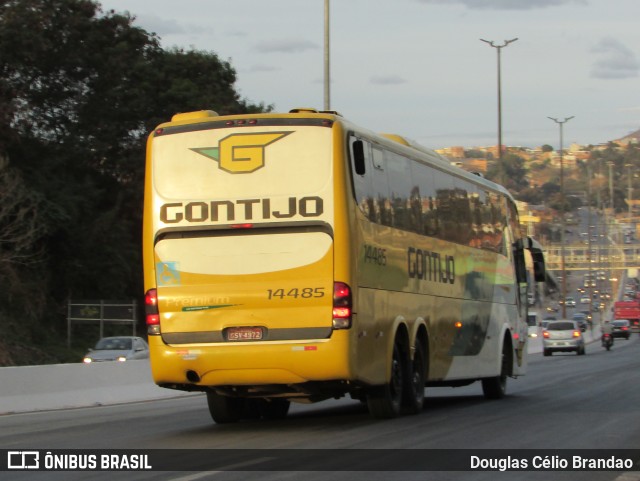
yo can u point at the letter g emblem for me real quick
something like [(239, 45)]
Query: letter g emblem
[(242, 153)]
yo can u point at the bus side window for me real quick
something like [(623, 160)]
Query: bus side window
[(382, 211), (358, 157), (362, 181)]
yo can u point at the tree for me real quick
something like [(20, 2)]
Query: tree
[(510, 172), (80, 89)]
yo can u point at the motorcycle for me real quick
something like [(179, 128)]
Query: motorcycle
[(607, 341)]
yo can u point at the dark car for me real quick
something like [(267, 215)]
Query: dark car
[(118, 348), (581, 319), (621, 328), (562, 336)]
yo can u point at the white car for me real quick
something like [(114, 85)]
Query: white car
[(562, 336), (585, 300), (120, 348)]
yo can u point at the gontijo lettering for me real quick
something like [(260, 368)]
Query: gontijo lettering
[(239, 210), (430, 266)]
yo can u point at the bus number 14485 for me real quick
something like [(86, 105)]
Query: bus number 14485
[(295, 293)]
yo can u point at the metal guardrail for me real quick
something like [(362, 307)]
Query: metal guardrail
[(102, 312)]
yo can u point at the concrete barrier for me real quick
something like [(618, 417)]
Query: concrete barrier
[(62, 386)]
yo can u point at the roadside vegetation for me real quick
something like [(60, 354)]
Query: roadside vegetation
[(80, 89)]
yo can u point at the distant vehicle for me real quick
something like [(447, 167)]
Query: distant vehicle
[(562, 336), (585, 300), (533, 321), (570, 302), (545, 322), (581, 319), (621, 328), (588, 315), (627, 310), (120, 348)]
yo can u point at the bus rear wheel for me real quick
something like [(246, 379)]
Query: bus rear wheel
[(496, 387), (414, 389), (385, 402), (225, 409)]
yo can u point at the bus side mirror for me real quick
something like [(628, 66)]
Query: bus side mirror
[(538, 266), (358, 157), (537, 256), (539, 269)]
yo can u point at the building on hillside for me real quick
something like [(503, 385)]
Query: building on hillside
[(579, 152), (452, 152), (472, 165), (632, 139), (568, 160)]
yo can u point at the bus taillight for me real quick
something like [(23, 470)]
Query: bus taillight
[(342, 306), (151, 312)]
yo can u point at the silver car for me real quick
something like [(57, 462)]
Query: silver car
[(118, 348), (562, 336)]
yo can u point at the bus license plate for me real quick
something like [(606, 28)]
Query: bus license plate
[(244, 334)]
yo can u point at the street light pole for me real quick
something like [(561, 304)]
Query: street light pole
[(589, 270), (613, 210), (630, 190), (562, 218), (499, 49), (327, 75)]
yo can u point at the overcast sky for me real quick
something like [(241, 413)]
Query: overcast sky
[(418, 68)]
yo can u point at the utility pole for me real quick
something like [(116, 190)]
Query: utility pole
[(562, 219), (498, 49), (590, 270), (327, 73), (630, 189)]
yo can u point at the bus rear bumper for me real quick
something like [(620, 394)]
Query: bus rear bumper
[(203, 366)]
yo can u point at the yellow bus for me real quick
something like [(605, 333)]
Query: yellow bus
[(297, 257)]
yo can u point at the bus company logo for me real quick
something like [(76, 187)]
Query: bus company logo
[(241, 153)]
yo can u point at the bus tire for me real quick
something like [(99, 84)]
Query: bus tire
[(414, 389), (385, 402), (225, 409), (496, 387)]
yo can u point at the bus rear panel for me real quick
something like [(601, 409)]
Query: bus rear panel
[(242, 262)]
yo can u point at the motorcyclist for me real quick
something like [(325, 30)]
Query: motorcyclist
[(607, 328)]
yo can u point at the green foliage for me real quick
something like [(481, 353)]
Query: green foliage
[(510, 172), (80, 89), (477, 154), (619, 164)]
